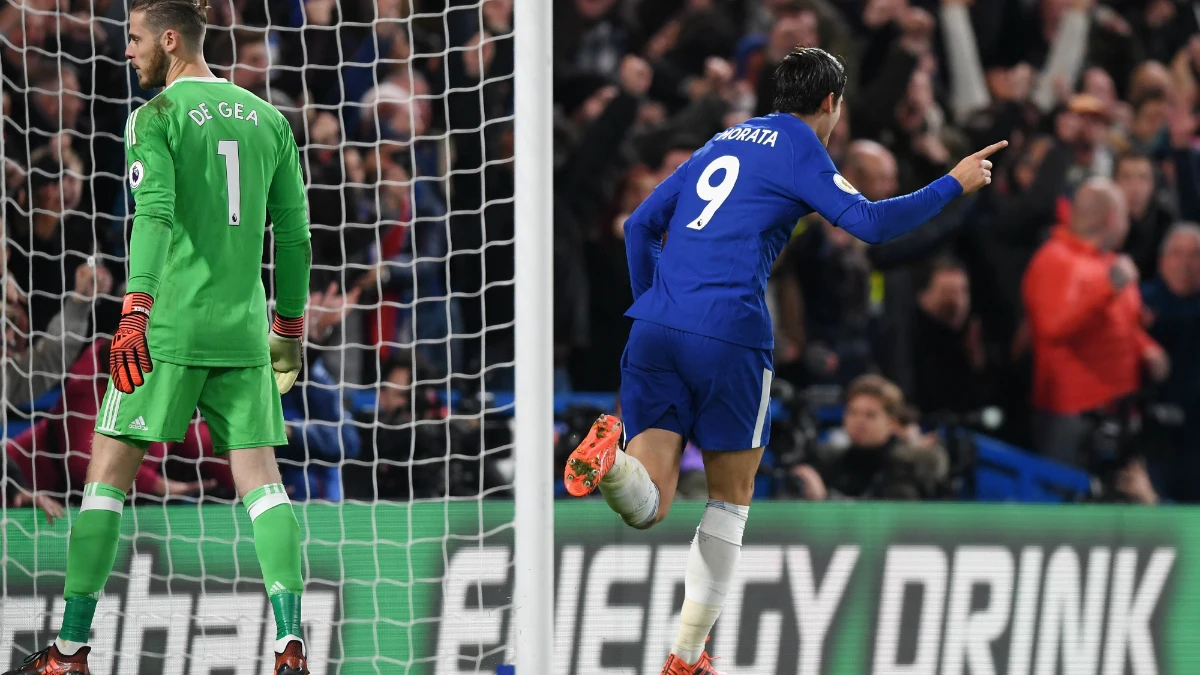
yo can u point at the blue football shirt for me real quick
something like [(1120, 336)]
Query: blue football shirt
[(726, 214)]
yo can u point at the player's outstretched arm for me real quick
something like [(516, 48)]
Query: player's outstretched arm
[(645, 228), (288, 207), (884, 220), (152, 180)]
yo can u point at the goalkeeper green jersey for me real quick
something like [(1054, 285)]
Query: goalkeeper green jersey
[(207, 161)]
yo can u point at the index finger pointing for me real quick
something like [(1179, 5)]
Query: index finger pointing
[(986, 152)]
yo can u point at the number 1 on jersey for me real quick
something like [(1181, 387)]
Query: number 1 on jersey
[(715, 195), (233, 179)]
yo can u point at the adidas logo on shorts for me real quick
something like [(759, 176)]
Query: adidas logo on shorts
[(139, 424)]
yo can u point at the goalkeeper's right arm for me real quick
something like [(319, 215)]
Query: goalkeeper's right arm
[(293, 256), (152, 181)]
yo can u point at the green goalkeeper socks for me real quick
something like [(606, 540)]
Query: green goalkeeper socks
[(93, 551), (277, 542), (286, 607), (90, 556)]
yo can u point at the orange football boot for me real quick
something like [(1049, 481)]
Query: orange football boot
[(676, 666), (50, 661), (594, 457), (292, 661)]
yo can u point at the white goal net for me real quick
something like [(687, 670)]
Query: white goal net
[(399, 457)]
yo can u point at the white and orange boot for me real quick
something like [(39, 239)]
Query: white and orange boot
[(594, 457), (676, 666)]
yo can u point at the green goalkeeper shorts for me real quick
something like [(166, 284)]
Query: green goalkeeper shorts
[(241, 406)]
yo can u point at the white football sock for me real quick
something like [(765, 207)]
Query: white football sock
[(710, 566), (282, 643), (67, 647), (629, 491)]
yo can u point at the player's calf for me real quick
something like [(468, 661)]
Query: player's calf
[(716, 549), (277, 543), (639, 492), (731, 474), (632, 493), (91, 552), (658, 453), (711, 563)]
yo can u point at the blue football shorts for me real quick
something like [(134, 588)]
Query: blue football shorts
[(714, 393)]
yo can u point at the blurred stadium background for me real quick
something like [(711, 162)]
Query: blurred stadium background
[(1039, 412)]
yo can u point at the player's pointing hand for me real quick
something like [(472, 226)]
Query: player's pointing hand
[(975, 171)]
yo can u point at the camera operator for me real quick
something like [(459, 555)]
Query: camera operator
[(1127, 439), (885, 458)]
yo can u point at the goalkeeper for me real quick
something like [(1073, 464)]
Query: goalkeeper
[(207, 161)]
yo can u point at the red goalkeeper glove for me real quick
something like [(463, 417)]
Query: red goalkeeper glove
[(129, 355)]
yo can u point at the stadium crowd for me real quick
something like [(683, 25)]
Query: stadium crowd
[(1066, 296)]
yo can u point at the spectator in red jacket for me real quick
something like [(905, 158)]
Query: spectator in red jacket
[(53, 454), (1084, 308)]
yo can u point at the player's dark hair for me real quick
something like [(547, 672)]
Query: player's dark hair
[(189, 17), (805, 77)]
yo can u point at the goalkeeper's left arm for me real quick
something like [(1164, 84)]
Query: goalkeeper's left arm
[(293, 256)]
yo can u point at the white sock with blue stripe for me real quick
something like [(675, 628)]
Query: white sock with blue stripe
[(710, 566)]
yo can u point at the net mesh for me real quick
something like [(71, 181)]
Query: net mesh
[(399, 428)]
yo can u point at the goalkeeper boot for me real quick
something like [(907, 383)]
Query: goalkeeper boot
[(594, 457), (50, 661), (291, 661)]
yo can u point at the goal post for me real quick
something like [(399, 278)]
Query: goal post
[(533, 549)]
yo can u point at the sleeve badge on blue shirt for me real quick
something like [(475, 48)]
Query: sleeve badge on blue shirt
[(843, 184), (137, 172)]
